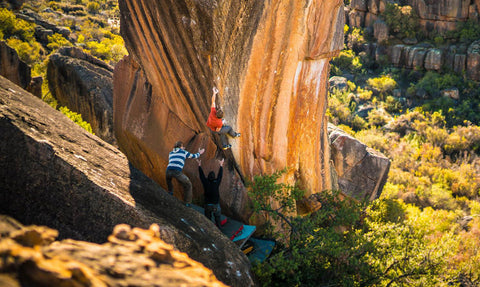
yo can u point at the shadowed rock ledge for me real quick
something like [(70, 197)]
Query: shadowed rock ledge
[(54, 173)]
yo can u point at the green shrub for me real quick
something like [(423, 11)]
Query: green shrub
[(57, 41), (382, 85), (402, 21), (348, 61), (11, 27), (93, 7), (29, 52), (76, 118), (465, 32)]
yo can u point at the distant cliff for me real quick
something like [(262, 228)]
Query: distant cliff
[(270, 61), (435, 18)]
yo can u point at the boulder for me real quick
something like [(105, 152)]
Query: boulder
[(362, 172), (338, 83), (459, 63), (452, 93), (12, 68), (270, 61), (380, 31), (396, 53), (360, 5), (54, 173), (84, 84), (473, 61), (414, 57), (434, 59), (131, 257)]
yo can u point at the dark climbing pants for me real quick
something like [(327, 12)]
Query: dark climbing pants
[(223, 134), (216, 210), (183, 180)]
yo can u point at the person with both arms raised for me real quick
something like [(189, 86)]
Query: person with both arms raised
[(176, 162), (211, 185)]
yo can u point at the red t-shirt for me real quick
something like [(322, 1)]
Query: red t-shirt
[(213, 122)]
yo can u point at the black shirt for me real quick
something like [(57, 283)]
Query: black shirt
[(212, 195)]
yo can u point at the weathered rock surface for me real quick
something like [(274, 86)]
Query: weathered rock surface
[(54, 173), (362, 172), (435, 17), (132, 257), (270, 61), (460, 59), (85, 85), (473, 61), (12, 68)]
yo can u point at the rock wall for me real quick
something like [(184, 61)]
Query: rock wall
[(459, 59), (85, 85), (436, 16), (54, 173), (131, 257), (270, 61)]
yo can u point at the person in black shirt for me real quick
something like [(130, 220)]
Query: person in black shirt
[(212, 195)]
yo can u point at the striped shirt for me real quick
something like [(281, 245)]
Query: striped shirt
[(176, 158)]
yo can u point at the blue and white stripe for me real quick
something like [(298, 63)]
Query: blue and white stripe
[(176, 158)]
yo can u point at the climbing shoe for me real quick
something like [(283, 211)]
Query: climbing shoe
[(227, 146), (237, 135)]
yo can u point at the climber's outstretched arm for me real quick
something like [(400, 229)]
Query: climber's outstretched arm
[(214, 95)]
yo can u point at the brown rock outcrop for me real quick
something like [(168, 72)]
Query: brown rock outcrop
[(12, 68), (435, 16), (85, 85), (473, 61), (132, 257), (362, 172), (54, 173), (270, 61)]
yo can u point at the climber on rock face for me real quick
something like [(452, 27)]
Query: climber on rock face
[(217, 124), (176, 161)]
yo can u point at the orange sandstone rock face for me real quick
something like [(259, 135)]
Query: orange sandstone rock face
[(270, 61)]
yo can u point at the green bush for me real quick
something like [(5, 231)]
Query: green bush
[(76, 118), (29, 52), (93, 7), (402, 21), (11, 27), (57, 41), (465, 32), (347, 61), (382, 85)]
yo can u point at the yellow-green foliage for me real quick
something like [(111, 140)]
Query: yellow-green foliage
[(19, 35), (10, 26), (29, 52), (93, 7), (102, 43), (347, 61), (57, 41), (76, 118), (401, 20), (382, 85)]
